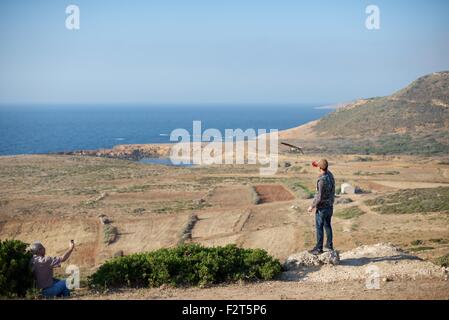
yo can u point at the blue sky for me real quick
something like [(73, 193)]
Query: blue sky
[(222, 51)]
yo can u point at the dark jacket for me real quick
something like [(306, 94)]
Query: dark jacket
[(325, 191)]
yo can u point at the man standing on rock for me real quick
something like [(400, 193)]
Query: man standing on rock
[(324, 204)]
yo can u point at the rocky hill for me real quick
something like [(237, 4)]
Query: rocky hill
[(412, 120)]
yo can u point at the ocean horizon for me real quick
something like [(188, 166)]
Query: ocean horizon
[(41, 129)]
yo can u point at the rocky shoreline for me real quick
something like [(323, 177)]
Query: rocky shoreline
[(133, 152)]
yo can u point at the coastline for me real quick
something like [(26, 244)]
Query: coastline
[(133, 152)]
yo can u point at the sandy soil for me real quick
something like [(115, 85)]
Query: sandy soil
[(288, 290)]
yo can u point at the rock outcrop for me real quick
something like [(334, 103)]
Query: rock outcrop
[(133, 152), (388, 262), (306, 259)]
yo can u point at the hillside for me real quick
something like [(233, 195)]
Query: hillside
[(413, 120)]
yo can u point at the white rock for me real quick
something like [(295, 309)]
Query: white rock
[(306, 259), (346, 188)]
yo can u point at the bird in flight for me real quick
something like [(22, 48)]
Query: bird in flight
[(292, 146)]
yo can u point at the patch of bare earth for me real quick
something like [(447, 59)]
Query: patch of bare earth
[(273, 193)]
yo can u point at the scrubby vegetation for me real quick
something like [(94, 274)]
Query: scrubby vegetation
[(349, 213), (299, 188), (421, 248), (434, 143), (178, 206), (110, 234), (15, 273), (443, 261), (186, 233), (414, 120), (363, 159), (417, 108), (367, 173), (186, 265), (439, 241), (413, 201)]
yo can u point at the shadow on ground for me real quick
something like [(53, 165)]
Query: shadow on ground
[(364, 261)]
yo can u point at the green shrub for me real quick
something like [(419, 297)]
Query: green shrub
[(16, 277), (417, 242), (190, 264), (443, 261)]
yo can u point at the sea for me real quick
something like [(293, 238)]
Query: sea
[(41, 129)]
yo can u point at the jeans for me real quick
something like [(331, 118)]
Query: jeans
[(323, 219), (58, 289)]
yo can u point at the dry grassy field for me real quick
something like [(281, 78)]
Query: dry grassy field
[(52, 198)]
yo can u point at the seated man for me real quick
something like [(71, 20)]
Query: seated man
[(42, 267)]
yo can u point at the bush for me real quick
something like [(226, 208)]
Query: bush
[(443, 261), (16, 277), (189, 264)]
